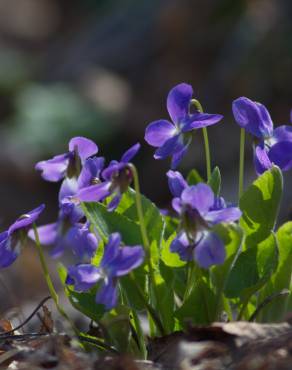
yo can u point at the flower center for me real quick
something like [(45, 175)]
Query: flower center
[(24, 216), (95, 181), (192, 222), (122, 179)]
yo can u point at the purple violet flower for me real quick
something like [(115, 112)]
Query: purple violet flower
[(275, 145), (69, 232), (89, 175), (55, 169), (69, 208), (117, 261), (78, 238), (10, 240), (117, 178), (173, 138), (199, 210)]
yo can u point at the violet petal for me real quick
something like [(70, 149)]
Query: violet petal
[(158, 132), (178, 101), (253, 117), (210, 251), (199, 120), (200, 197), (130, 153), (176, 183), (85, 147), (54, 169)]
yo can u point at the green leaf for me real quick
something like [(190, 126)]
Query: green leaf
[(281, 278), (259, 206), (165, 303), (215, 181), (194, 177), (85, 303), (169, 258), (98, 254), (171, 226), (117, 325), (252, 269), (199, 307), (232, 237), (176, 278), (107, 222), (152, 217), (130, 289)]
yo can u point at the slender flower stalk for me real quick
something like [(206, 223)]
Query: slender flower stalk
[(190, 279), (140, 210), (207, 152), (241, 162), (145, 238), (199, 108), (49, 282), (242, 309)]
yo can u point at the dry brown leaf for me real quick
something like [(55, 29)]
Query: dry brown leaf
[(47, 321), (5, 325)]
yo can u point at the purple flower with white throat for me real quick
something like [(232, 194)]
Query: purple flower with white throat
[(69, 208), (274, 145), (199, 210), (89, 175), (10, 240), (173, 138), (117, 178), (69, 232), (55, 169), (117, 261)]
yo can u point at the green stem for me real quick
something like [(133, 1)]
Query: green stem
[(97, 342), (149, 308), (241, 162), (196, 277), (207, 152), (140, 210), (140, 334), (135, 324), (190, 279), (49, 282), (200, 274), (243, 308), (145, 238), (199, 108)]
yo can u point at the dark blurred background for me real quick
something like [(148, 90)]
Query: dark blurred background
[(103, 68)]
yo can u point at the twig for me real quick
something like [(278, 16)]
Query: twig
[(3, 335), (22, 336)]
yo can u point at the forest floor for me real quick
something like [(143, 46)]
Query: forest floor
[(232, 346)]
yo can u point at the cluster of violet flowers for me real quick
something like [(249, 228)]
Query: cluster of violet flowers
[(85, 178)]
